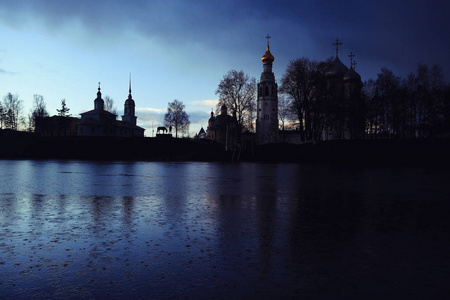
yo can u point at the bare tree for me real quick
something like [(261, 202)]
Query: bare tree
[(284, 110), (64, 109), (176, 117), (12, 108), (109, 105), (305, 86), (38, 112), (238, 92)]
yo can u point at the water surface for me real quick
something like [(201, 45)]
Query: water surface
[(152, 230)]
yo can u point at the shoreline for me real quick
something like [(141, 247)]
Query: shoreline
[(392, 151)]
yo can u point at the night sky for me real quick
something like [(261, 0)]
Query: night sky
[(182, 49)]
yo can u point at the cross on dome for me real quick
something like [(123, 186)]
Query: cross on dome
[(268, 37), (351, 55), (337, 43)]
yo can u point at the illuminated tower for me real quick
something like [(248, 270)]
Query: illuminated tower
[(129, 109), (267, 102)]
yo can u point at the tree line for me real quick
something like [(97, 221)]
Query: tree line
[(12, 116), (417, 106), (413, 107)]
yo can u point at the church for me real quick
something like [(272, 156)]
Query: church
[(346, 117), (99, 122), (345, 113), (96, 122)]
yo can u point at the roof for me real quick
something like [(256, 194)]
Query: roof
[(97, 112), (124, 124), (351, 75), (337, 68)]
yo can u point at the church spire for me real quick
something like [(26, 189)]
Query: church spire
[(129, 90), (98, 102)]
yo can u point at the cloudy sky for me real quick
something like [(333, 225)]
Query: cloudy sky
[(182, 49)]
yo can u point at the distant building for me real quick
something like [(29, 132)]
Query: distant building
[(267, 102), (99, 122), (201, 135), (223, 128), (56, 126), (346, 115), (96, 122)]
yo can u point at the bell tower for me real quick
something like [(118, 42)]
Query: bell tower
[(129, 108), (267, 102)]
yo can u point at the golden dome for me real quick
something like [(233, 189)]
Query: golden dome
[(267, 58)]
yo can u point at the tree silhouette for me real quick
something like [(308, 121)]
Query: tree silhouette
[(12, 108), (2, 116), (176, 117), (305, 86), (415, 107), (109, 105), (38, 112), (238, 92), (284, 110), (64, 109)]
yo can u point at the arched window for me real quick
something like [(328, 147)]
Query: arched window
[(266, 92)]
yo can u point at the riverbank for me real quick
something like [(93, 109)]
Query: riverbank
[(383, 152), (405, 152)]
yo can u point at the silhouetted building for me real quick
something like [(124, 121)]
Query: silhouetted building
[(99, 122), (223, 128), (267, 102), (345, 113), (56, 126), (201, 134)]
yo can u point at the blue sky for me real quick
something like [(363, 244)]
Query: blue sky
[(182, 49)]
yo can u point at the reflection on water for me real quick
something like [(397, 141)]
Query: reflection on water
[(202, 230)]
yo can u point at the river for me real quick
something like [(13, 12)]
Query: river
[(158, 230)]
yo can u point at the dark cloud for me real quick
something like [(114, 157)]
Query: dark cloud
[(393, 34)]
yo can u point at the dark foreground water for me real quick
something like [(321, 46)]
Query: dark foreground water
[(84, 230)]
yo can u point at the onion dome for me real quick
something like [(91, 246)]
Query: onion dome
[(267, 58), (337, 68), (351, 75)]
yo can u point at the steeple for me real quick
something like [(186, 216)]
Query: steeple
[(129, 90), (267, 102), (129, 108), (98, 102)]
